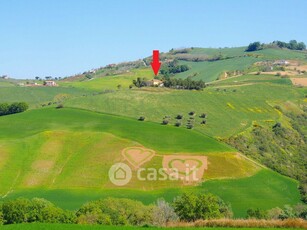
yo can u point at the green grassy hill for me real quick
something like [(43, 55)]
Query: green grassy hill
[(64, 155), (48, 154)]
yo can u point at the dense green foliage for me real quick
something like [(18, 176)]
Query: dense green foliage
[(170, 68), (292, 45), (17, 107), (184, 84), (254, 47), (279, 147), (113, 211), (34, 210), (287, 211), (191, 207)]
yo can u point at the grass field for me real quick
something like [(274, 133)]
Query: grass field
[(36, 96), (99, 83), (84, 227), (47, 154), (64, 155), (210, 71), (228, 112)]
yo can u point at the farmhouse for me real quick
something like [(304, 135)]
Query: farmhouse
[(281, 62), (154, 82), (50, 83)]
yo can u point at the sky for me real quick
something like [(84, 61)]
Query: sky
[(64, 37)]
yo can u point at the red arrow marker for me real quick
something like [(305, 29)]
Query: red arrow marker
[(156, 64)]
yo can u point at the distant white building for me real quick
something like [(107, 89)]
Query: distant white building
[(50, 83), (281, 62)]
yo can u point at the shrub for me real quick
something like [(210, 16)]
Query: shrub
[(256, 213), (163, 213), (192, 113), (191, 207), (16, 107), (60, 106), (35, 210), (165, 122), (141, 118), (253, 47), (178, 124), (203, 122), (203, 115), (113, 211), (1, 215), (179, 116)]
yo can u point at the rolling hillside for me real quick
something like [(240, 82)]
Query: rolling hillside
[(65, 154)]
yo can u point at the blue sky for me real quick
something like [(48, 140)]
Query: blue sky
[(60, 38)]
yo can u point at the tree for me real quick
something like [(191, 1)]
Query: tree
[(179, 116), (114, 211), (139, 82), (301, 46), (292, 45), (253, 47), (141, 118), (4, 109), (16, 107), (163, 213), (256, 213), (191, 207)]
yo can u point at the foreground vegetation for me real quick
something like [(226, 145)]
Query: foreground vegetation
[(94, 227), (189, 209)]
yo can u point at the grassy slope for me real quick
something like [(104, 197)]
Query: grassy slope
[(111, 82), (36, 96), (228, 112), (210, 71), (87, 227), (26, 140)]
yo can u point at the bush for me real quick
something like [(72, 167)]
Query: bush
[(190, 126), (141, 118), (203, 115), (254, 47), (256, 214), (1, 215), (163, 213), (178, 124), (35, 210), (191, 207), (165, 122), (192, 113), (179, 116), (60, 106), (16, 107), (114, 211), (203, 122)]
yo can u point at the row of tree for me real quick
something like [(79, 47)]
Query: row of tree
[(292, 45), (114, 211), (16, 107), (188, 207), (184, 83)]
